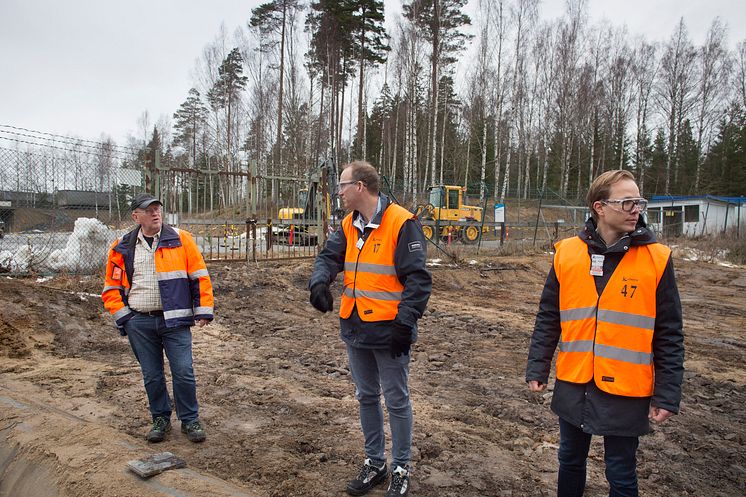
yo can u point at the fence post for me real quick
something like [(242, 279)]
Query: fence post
[(538, 213), (269, 234), (251, 225)]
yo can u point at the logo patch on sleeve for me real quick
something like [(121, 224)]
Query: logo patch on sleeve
[(415, 246), (116, 273), (610, 379)]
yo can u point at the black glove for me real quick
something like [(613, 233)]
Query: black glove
[(321, 297), (401, 339)]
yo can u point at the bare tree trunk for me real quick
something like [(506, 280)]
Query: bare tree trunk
[(498, 152), (394, 153), (280, 106), (434, 84), (483, 175), (527, 174), (407, 166), (545, 168), (498, 95), (468, 159), (443, 139), (506, 178)]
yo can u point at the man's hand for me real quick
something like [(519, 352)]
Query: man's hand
[(658, 414), (202, 322), (321, 297), (401, 339), (536, 386)]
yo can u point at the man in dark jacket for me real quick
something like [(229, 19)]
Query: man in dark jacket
[(611, 303), (381, 250)]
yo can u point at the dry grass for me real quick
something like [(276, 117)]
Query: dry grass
[(712, 249)]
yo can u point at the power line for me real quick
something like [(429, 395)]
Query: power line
[(97, 153), (67, 138), (80, 147)]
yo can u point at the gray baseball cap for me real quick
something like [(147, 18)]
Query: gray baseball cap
[(143, 200)]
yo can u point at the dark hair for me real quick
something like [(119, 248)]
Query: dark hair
[(365, 172), (601, 186)]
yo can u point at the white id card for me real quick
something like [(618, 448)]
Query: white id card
[(597, 265), (359, 243)]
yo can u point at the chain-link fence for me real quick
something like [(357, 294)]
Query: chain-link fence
[(473, 216), (64, 202), (62, 205)]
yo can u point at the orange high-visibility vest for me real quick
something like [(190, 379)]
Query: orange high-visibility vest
[(608, 338), (370, 280)]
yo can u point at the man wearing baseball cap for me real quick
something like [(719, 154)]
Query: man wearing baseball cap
[(156, 288)]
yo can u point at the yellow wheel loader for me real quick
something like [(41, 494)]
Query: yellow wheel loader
[(447, 213)]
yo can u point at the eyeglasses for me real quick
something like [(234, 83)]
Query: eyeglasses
[(342, 184), (149, 211), (628, 204)]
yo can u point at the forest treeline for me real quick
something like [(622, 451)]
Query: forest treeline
[(501, 101)]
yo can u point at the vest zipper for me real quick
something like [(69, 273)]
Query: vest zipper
[(357, 260)]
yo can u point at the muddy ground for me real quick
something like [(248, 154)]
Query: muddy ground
[(277, 399)]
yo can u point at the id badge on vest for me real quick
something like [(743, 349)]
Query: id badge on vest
[(597, 265), (360, 243)]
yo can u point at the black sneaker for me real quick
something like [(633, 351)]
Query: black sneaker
[(161, 426), (194, 431), (369, 477), (399, 486)]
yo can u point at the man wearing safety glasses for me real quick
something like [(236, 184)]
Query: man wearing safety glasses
[(611, 306)]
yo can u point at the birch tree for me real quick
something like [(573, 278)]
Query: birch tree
[(675, 93), (645, 70), (713, 71)]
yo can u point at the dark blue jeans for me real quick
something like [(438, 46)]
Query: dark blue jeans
[(619, 456), (149, 338)]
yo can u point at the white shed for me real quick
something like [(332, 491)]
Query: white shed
[(696, 215)]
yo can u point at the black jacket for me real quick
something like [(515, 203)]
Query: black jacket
[(410, 269), (584, 405)]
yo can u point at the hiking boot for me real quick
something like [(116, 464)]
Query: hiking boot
[(399, 485), (161, 426), (194, 431), (369, 477)]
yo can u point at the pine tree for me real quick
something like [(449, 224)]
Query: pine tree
[(369, 48), (723, 170), (271, 19), (688, 155), (331, 57), (440, 21), (225, 93), (189, 121), (656, 178)]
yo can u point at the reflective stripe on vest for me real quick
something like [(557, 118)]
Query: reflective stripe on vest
[(608, 338), (370, 280)]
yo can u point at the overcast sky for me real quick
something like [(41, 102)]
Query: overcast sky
[(83, 67)]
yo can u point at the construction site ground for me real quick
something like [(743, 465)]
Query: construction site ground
[(278, 403)]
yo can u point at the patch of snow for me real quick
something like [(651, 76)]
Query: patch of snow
[(84, 251), (86, 248), (44, 279)]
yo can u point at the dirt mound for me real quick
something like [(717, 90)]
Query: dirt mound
[(278, 403), (12, 342)]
